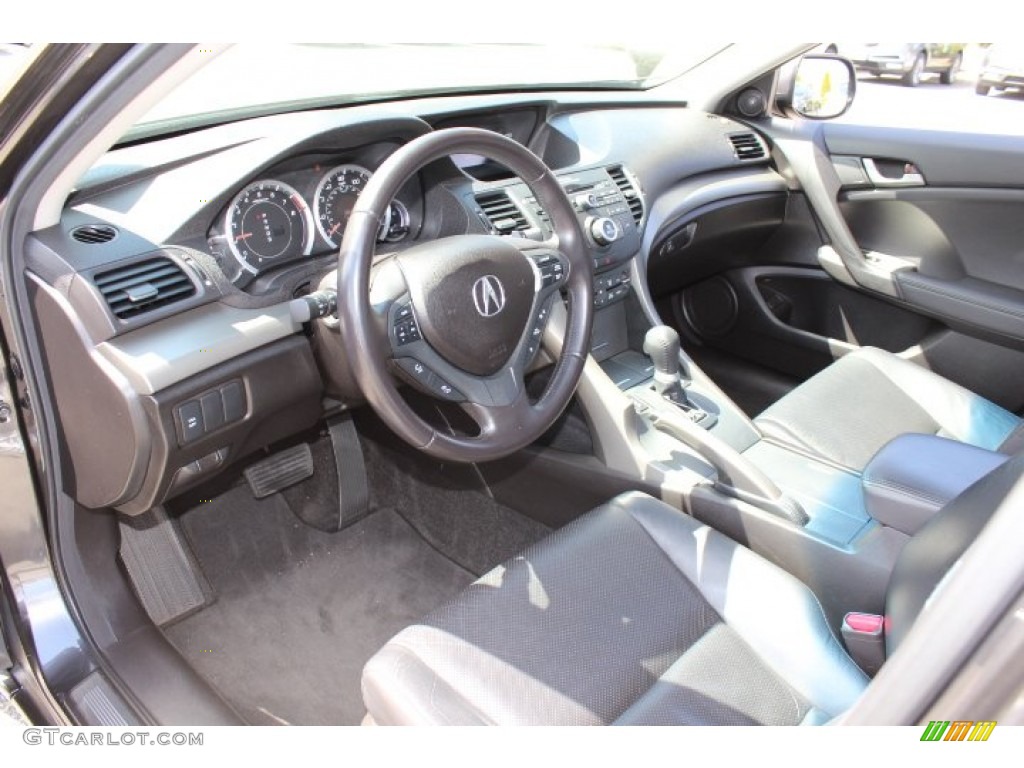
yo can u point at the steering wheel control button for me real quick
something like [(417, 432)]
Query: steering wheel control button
[(190, 422), (551, 268), (407, 332), (404, 325), (536, 336), (446, 391), (418, 373)]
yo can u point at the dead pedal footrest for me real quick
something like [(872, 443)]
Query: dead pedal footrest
[(161, 566), (277, 472)]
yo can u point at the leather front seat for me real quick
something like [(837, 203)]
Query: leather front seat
[(850, 410), (634, 614), (638, 614)]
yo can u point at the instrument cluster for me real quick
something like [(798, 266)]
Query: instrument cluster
[(300, 210)]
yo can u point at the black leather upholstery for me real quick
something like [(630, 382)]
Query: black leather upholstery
[(914, 476), (634, 614), (928, 556), (849, 411)]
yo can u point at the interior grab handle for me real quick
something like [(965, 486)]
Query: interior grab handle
[(911, 177)]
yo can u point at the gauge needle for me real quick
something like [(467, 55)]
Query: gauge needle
[(243, 236), (334, 229)]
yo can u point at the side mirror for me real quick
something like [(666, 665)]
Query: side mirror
[(821, 87)]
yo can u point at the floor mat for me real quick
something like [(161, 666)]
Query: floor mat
[(468, 526), (299, 611)]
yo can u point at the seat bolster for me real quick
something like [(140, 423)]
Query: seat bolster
[(396, 669), (848, 411), (961, 414), (753, 596)]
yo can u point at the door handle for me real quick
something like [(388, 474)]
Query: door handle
[(911, 175)]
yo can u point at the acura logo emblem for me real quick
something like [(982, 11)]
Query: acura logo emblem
[(488, 296)]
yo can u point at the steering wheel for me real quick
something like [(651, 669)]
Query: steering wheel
[(463, 316)]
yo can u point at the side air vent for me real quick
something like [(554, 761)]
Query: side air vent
[(636, 204), (747, 146), (503, 214), (94, 233), (133, 289)]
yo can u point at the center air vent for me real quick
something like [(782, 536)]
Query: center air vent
[(94, 233), (133, 289), (747, 146), (636, 204), (503, 214)]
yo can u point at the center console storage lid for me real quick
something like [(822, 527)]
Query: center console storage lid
[(913, 476)]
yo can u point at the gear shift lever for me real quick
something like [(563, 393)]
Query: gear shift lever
[(661, 344)]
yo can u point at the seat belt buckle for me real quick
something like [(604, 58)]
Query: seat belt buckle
[(864, 637)]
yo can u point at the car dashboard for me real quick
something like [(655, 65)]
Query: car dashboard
[(163, 295)]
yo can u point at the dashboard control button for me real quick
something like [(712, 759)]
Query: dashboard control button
[(190, 422), (235, 406), (212, 406), (604, 230), (587, 201)]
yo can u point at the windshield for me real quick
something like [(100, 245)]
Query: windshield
[(251, 79)]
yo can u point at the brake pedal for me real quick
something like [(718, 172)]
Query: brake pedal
[(283, 469)]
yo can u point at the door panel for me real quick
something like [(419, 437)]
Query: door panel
[(943, 252), (960, 239), (794, 321), (946, 159)]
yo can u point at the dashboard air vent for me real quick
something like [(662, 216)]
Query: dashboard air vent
[(503, 214), (133, 289), (747, 146), (94, 233), (636, 205)]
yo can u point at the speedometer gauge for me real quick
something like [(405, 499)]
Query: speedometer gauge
[(267, 222), (336, 197)]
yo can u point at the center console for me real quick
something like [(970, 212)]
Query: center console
[(654, 416)]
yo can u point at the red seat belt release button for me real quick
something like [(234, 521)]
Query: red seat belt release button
[(866, 623), (864, 636)]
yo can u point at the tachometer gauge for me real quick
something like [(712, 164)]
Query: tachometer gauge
[(268, 221), (336, 197)]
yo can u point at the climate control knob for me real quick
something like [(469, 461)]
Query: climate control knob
[(604, 230)]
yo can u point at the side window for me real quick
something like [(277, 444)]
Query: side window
[(12, 56), (972, 87)]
